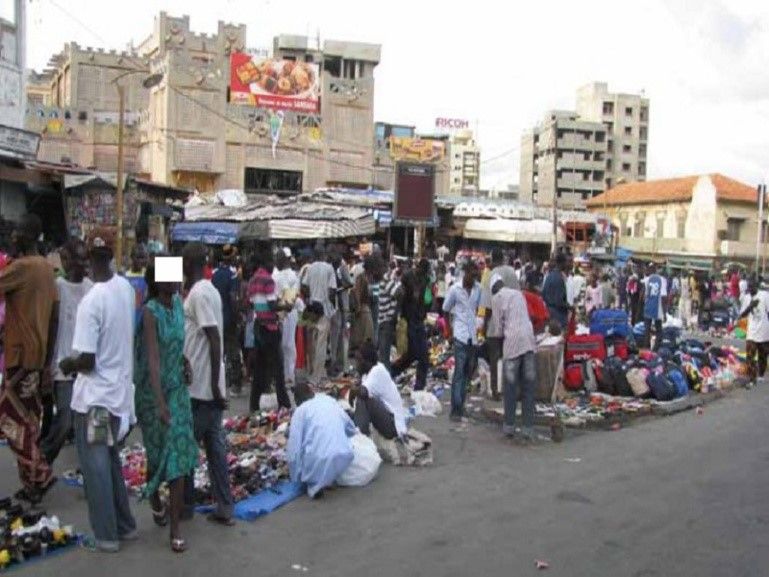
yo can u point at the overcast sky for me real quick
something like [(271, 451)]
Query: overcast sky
[(703, 63)]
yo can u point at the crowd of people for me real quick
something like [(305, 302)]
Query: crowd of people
[(91, 353)]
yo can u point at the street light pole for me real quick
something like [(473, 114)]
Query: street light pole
[(119, 194)]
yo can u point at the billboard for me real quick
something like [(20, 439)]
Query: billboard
[(274, 84), (407, 149), (451, 123), (414, 193)]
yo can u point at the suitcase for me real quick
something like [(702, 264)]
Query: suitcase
[(584, 347), (610, 322)]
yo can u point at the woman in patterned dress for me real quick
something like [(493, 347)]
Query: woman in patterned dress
[(163, 406)]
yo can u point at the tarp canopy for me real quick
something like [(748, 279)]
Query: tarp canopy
[(535, 231), (206, 232)]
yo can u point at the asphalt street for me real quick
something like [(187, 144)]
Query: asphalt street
[(681, 495)]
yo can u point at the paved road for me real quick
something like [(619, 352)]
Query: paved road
[(684, 495)]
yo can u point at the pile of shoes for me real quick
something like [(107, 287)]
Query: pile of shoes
[(29, 534)]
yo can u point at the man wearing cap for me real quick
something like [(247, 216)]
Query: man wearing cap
[(102, 396), (513, 324), (31, 321), (225, 279)]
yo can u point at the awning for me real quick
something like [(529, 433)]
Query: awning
[(206, 232), (535, 231), (689, 263), (300, 229)]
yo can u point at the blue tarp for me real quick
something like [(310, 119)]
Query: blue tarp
[(206, 232), (263, 502)]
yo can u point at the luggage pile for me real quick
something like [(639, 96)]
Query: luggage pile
[(608, 361)]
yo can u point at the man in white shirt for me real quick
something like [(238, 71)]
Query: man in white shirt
[(378, 401), (575, 285), (757, 342), (319, 285), (287, 288), (102, 395), (462, 302), (203, 349), (72, 288)]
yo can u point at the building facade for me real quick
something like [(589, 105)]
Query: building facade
[(12, 62), (563, 158), (708, 218), (186, 132), (626, 117), (464, 163)]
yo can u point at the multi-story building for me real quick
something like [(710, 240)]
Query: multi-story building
[(185, 131), (465, 164), (384, 164), (626, 117), (12, 51), (563, 158)]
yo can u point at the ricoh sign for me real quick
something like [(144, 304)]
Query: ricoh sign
[(451, 123)]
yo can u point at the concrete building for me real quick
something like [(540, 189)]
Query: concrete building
[(563, 158), (383, 167), (465, 164), (694, 221), (626, 117), (12, 62), (186, 132)]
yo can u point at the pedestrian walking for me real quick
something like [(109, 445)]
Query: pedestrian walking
[(287, 288), (390, 301), (71, 289), (655, 291), (554, 291), (31, 318), (163, 406), (462, 302), (203, 348), (102, 396), (416, 285), (319, 286), (226, 281), (757, 342), (362, 325)]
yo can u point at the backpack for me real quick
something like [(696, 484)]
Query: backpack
[(679, 380), (613, 379), (637, 380), (662, 388)]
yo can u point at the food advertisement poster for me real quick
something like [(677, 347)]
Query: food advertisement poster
[(409, 149), (274, 84)]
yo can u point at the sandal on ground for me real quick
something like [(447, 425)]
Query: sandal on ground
[(178, 545), (160, 517), (226, 521)]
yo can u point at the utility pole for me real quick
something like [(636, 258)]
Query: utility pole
[(759, 235), (119, 194), (554, 241)]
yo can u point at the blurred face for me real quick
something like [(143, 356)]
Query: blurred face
[(75, 265), (362, 364), (167, 288), (139, 260)]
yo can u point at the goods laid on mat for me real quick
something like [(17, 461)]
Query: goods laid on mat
[(257, 458), (594, 408), (28, 535)]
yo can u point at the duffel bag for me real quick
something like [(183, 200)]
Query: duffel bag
[(637, 380), (584, 347), (573, 378), (610, 322), (661, 387)]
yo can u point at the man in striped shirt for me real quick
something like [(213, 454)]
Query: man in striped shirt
[(268, 362), (520, 370), (390, 297)]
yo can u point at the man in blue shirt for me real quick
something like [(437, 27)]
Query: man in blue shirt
[(226, 281), (655, 290), (135, 276), (463, 301)]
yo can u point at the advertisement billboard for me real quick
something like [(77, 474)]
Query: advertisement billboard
[(426, 150), (451, 123), (274, 84), (414, 193)]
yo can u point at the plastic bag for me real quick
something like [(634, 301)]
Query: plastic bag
[(429, 405), (365, 463), (484, 376)]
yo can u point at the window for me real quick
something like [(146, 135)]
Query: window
[(642, 150), (608, 108), (561, 133), (681, 225), (734, 228), (456, 181), (333, 65), (638, 225), (610, 145), (598, 176), (608, 184), (626, 166), (600, 136), (627, 149), (642, 168), (350, 69), (598, 156), (644, 114), (267, 181), (588, 136), (643, 133), (660, 227), (609, 164), (628, 131), (587, 156), (609, 126), (629, 111), (559, 154), (290, 58)]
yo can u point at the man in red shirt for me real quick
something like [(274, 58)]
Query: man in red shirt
[(537, 308)]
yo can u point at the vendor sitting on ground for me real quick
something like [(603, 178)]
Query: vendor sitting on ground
[(319, 447), (377, 400)]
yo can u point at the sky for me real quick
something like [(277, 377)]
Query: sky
[(702, 64)]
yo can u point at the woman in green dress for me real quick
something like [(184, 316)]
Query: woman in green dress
[(163, 406)]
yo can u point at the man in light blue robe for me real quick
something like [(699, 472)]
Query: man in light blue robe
[(319, 447)]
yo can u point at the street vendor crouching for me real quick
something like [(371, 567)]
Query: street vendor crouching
[(319, 447), (378, 401)]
